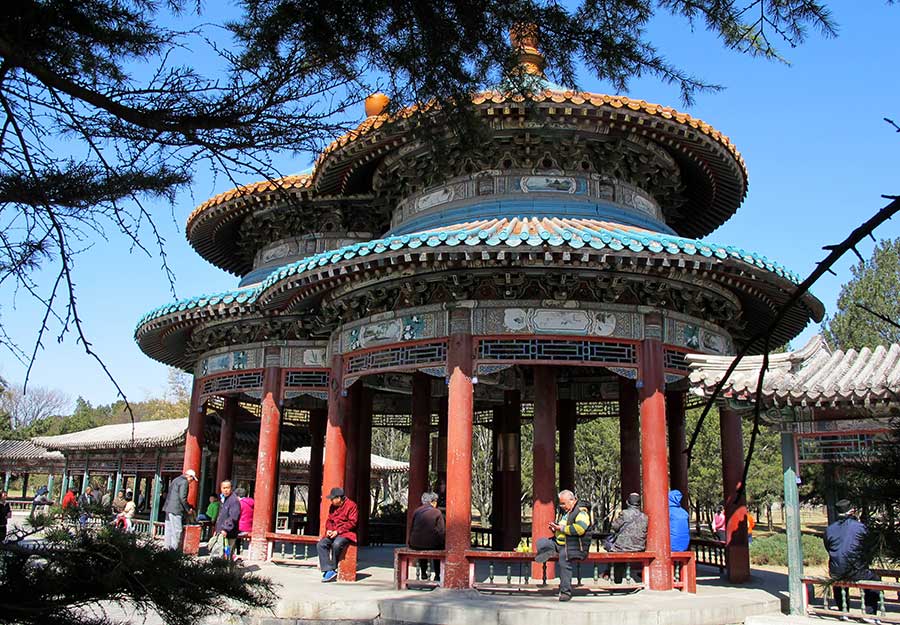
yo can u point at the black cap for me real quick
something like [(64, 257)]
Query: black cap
[(335, 493), (843, 506), (634, 499)]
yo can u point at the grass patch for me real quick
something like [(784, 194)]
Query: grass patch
[(772, 550)]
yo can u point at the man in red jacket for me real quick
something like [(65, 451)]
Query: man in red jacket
[(340, 531)]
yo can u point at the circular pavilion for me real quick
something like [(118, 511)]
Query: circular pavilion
[(553, 272)]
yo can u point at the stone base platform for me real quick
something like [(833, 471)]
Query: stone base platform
[(305, 600)]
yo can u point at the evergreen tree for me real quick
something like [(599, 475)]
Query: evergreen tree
[(876, 285), (74, 576)]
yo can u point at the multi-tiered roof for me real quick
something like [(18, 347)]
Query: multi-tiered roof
[(563, 182)]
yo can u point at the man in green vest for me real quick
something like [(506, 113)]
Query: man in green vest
[(570, 539)]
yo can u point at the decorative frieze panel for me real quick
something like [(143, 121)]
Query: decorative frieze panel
[(236, 382), (697, 336), (388, 329), (296, 357), (398, 357), (560, 350), (500, 182), (534, 320), (230, 361)]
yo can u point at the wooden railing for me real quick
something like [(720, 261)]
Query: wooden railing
[(846, 605), (709, 552)]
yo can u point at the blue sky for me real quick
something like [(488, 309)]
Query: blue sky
[(812, 134)]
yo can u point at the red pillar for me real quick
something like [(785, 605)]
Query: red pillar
[(441, 486), (420, 426), (336, 457), (193, 444), (460, 408), (267, 458), (737, 552), (629, 439), (364, 463), (351, 436), (318, 418), (497, 512), (567, 422), (225, 461), (543, 509), (511, 470), (678, 469), (654, 463)]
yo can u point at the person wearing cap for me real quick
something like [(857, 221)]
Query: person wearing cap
[(340, 532), (847, 560), (177, 507), (629, 530)]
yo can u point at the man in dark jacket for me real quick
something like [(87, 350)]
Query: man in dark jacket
[(629, 530), (427, 532), (679, 523), (570, 539), (340, 531), (177, 507), (846, 560), (227, 521)]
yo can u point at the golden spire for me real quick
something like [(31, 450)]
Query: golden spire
[(524, 38)]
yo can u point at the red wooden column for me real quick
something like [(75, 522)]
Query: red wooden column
[(543, 509), (497, 424), (225, 461), (419, 430), (567, 422), (510, 465), (318, 419), (629, 438), (267, 458), (364, 463), (460, 408), (654, 465), (351, 436), (193, 444), (678, 468), (737, 551), (336, 456), (440, 486)]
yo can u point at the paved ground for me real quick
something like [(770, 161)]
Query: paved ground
[(305, 599)]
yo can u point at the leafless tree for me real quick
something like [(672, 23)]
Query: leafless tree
[(26, 407)]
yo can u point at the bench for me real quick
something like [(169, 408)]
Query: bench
[(623, 569), (844, 608), (404, 557), (346, 566)]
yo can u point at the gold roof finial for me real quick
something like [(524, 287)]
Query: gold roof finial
[(376, 104), (524, 38)]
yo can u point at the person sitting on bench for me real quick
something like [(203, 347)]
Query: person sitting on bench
[(571, 539), (340, 531)]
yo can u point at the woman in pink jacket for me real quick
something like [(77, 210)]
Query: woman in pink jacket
[(246, 521)]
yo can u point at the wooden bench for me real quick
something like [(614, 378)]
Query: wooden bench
[(346, 566), (622, 567), (404, 557), (843, 610)]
